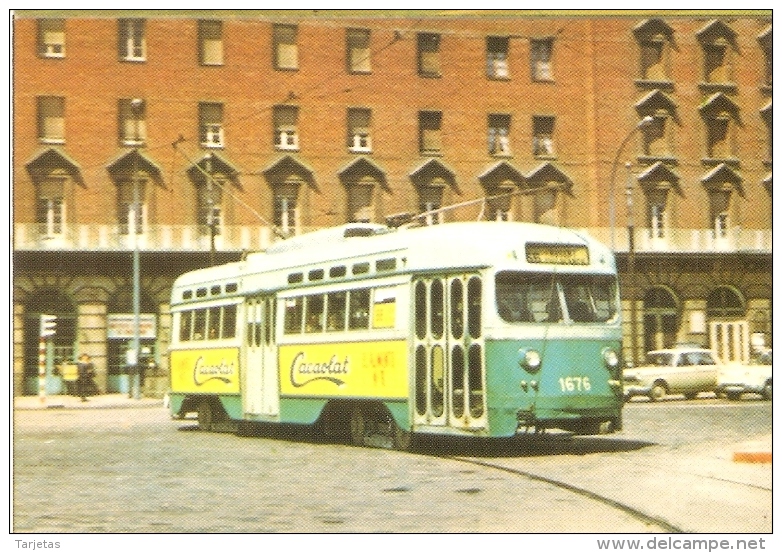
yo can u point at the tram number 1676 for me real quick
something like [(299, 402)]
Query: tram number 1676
[(575, 384)]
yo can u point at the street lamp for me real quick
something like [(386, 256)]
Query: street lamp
[(133, 365), (646, 121)]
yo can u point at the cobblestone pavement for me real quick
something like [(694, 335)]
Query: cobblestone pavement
[(135, 470)]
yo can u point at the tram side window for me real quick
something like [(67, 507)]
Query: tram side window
[(185, 325), (335, 316), (294, 310), (199, 324), (359, 309), (314, 313), (214, 323), (229, 321)]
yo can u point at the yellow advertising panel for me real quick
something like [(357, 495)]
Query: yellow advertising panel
[(360, 369), (205, 371)]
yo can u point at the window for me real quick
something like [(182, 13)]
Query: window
[(210, 42), (358, 51), (657, 219), (51, 119), (286, 52), (497, 57), (653, 60), (498, 136), (132, 42), (51, 38), (285, 207), (359, 121), (657, 136), (127, 209), (720, 210), (429, 55), (210, 213), (361, 206), (315, 312), (294, 310), (50, 207), (430, 132), (540, 60), (718, 142), (286, 136), (359, 309), (430, 198), (716, 63), (335, 317), (542, 136), (210, 118), (132, 122)]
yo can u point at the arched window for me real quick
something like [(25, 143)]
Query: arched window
[(725, 303), (661, 318)]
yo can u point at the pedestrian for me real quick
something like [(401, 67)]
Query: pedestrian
[(85, 371)]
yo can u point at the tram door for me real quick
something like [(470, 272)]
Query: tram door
[(449, 368), (261, 389)]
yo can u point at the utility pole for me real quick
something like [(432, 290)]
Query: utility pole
[(133, 358), (631, 266)]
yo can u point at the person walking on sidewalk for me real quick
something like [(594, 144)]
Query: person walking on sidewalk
[(85, 372)]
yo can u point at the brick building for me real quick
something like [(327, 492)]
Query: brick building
[(229, 129)]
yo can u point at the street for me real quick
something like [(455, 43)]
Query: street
[(136, 470)]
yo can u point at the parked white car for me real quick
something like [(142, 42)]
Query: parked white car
[(755, 377), (681, 370)]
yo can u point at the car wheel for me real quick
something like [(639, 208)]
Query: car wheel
[(657, 392)]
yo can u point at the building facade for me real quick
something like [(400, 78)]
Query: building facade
[(192, 138)]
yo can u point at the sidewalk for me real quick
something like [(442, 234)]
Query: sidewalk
[(103, 401)]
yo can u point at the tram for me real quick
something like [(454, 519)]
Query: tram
[(482, 329)]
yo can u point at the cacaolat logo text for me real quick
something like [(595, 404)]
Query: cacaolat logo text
[(303, 372), (203, 373)]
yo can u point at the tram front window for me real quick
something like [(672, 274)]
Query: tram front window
[(536, 298)]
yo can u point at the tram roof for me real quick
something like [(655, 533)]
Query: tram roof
[(450, 245)]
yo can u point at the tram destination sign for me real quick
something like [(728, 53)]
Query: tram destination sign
[(557, 254)]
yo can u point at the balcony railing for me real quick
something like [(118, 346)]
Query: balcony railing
[(192, 238)]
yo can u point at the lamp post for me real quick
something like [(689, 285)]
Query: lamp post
[(631, 265), (133, 361), (611, 200)]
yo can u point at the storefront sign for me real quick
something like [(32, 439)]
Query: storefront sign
[(121, 325)]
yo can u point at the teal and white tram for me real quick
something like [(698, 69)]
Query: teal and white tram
[(473, 329)]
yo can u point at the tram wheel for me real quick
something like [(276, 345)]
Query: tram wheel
[(205, 416), (358, 426), (690, 395), (767, 392)]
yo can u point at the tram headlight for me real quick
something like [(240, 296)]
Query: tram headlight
[(529, 360), (611, 359)]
